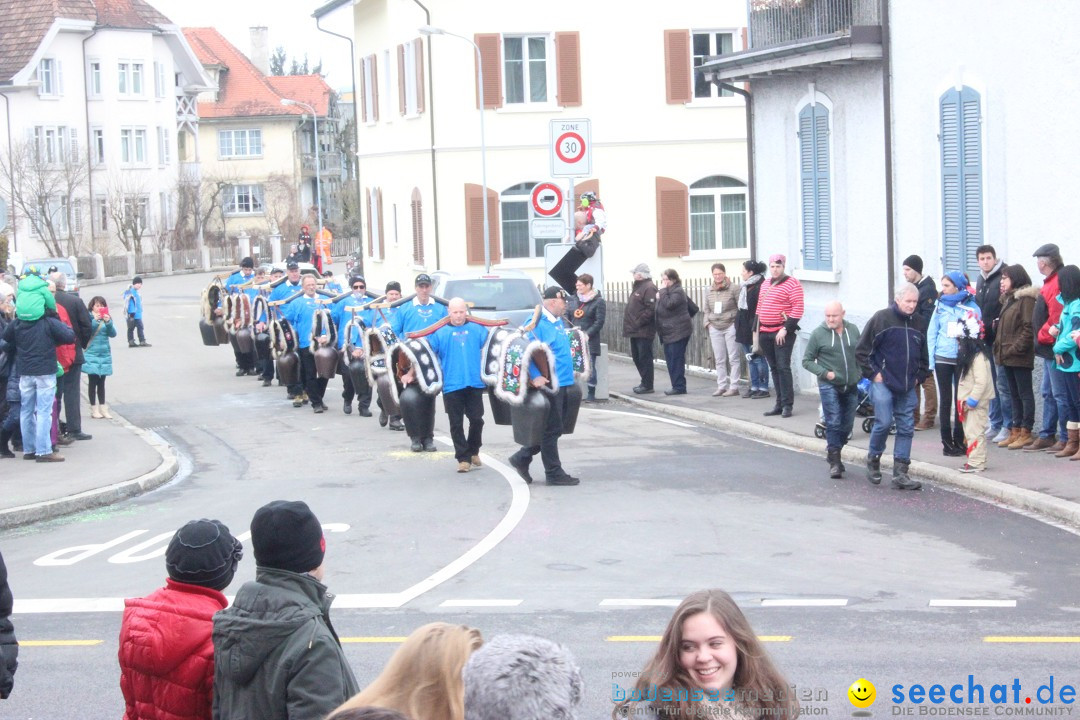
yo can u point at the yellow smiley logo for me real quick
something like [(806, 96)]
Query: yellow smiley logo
[(862, 693)]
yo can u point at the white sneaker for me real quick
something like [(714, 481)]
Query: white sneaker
[(992, 431), (1004, 433)]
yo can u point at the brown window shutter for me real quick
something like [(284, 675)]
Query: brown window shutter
[(375, 89), (672, 218), (490, 45), (417, 227), (677, 66), (401, 78), (382, 224), (363, 95), (568, 68), (474, 225), (745, 43), (420, 106), (370, 237)]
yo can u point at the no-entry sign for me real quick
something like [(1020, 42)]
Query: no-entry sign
[(571, 148), (547, 199)]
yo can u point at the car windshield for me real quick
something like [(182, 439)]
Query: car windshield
[(61, 266), (495, 293)]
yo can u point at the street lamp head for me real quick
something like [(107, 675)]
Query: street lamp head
[(286, 101), (431, 30)]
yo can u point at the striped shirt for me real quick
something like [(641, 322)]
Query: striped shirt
[(779, 302)]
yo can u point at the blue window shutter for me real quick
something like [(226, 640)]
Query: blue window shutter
[(815, 187), (961, 178)]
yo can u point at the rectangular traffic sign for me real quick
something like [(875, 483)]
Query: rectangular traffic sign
[(547, 228), (570, 147)]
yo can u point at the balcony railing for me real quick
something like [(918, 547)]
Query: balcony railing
[(329, 162), (190, 173), (785, 22)]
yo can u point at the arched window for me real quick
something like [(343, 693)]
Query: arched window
[(718, 218), (514, 216)]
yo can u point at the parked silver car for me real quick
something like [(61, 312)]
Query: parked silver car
[(505, 294)]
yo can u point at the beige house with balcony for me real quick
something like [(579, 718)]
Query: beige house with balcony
[(256, 154)]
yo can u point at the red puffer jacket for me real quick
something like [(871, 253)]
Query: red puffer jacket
[(166, 655)]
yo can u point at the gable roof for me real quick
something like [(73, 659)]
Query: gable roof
[(243, 91), (24, 24)]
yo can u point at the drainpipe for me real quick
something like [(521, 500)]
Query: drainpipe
[(11, 174), (89, 137), (750, 195), (886, 86), (431, 132), (356, 131)]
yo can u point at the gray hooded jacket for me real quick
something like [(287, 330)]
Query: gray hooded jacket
[(276, 655)]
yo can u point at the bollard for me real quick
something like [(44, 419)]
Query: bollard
[(602, 373)]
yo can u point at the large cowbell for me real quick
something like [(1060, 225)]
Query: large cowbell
[(418, 411), (288, 368)]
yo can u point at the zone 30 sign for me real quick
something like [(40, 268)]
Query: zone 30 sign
[(571, 148)]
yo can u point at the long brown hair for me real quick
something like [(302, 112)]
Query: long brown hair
[(423, 677), (758, 686)]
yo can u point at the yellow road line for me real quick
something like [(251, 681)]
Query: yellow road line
[(59, 643), (656, 638), (1031, 639), (388, 639)]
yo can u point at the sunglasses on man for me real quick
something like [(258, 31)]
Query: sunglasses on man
[(359, 287)]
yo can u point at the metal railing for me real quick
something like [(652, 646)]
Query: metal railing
[(190, 173), (329, 162), (781, 22), (342, 246), (223, 255)]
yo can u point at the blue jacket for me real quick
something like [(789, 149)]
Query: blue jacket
[(237, 278), (301, 315), (98, 355), (553, 334), (35, 344), (411, 317), (937, 335), (460, 350), (1064, 345), (341, 318), (133, 303), (284, 290), (893, 344)]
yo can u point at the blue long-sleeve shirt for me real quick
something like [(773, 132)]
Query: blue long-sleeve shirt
[(301, 315), (339, 313), (551, 331), (460, 350), (284, 290), (411, 317)]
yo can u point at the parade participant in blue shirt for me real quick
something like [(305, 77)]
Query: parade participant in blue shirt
[(133, 311), (377, 319), (291, 285), (264, 367), (245, 362), (551, 331), (422, 312), (342, 316), (301, 314), (332, 285), (460, 348), (241, 276)]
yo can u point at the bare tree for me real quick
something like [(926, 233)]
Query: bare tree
[(280, 204), (129, 207), (49, 190)]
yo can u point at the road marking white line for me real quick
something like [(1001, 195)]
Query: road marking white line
[(480, 602), (669, 421), (640, 602), (804, 602), (30, 606), (972, 603)]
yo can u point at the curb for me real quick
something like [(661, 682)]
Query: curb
[(1016, 497), (100, 497)]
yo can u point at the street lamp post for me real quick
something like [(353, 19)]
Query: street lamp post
[(432, 30), (318, 175), (222, 186)]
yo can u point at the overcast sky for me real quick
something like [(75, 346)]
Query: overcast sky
[(290, 25)]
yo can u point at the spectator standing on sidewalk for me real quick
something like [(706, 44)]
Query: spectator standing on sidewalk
[(954, 306), (1066, 357), (780, 307), (71, 392), (722, 307), (1014, 351), (988, 297), (830, 355), (639, 324), (98, 364), (588, 311), (1053, 435), (753, 273), (913, 267), (892, 353), (974, 391), (133, 308), (674, 325), (10, 400)]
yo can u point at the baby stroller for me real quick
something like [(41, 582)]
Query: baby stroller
[(864, 409)]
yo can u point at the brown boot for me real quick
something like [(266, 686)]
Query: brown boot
[(1024, 440), (1014, 433), (1041, 443), (926, 423), (1056, 447), (1073, 443)]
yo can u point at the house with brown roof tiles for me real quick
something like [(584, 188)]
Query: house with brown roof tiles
[(258, 153), (97, 96)]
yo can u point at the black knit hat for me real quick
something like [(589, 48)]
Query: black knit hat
[(393, 285), (203, 552), (914, 262), (286, 535)]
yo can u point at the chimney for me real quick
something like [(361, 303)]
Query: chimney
[(260, 49)]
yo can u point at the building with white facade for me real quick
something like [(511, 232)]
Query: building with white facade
[(669, 157), (95, 94), (884, 129)]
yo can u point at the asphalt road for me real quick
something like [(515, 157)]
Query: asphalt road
[(664, 508)]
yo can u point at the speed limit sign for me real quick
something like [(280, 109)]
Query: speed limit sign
[(571, 148)]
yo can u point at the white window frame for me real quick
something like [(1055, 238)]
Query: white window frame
[(133, 145), (93, 79), (373, 214), (716, 96), (141, 205), (515, 195), (56, 144), (165, 211), (251, 137), (101, 215), (50, 78), (159, 80), (97, 140), (389, 66), (549, 72), (719, 252), (131, 79), (253, 197)]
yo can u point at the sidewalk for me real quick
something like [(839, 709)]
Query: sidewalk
[(1032, 481), (120, 462)]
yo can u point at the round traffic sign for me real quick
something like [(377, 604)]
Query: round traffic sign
[(570, 147), (547, 199)]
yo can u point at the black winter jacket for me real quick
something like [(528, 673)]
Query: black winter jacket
[(894, 345), (673, 321), (9, 648), (988, 298), (639, 318), (927, 300), (591, 320), (35, 344)]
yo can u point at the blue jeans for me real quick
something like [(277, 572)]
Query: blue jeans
[(1001, 406), (38, 393), (1070, 381), (890, 407), (1050, 413), (675, 356), (1061, 398), (838, 406), (759, 370)]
